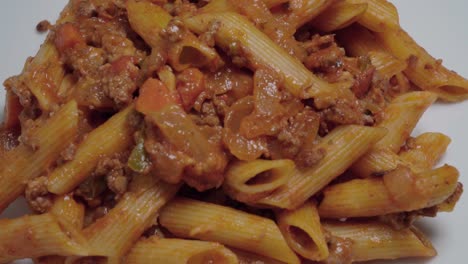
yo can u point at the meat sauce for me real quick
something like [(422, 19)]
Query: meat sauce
[(241, 114)]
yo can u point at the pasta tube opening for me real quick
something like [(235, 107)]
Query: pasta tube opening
[(250, 181)]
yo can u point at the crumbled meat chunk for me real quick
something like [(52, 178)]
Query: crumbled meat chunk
[(37, 195), (174, 31), (404, 220), (69, 152), (85, 60), (114, 171), (344, 112), (340, 250), (27, 137), (43, 26)]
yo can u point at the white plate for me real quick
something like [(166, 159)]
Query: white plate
[(439, 26)]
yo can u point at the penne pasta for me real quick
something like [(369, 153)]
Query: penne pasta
[(111, 137), (303, 11), (39, 235), (342, 147), (399, 118), (400, 126), (68, 210), (373, 240), (25, 164), (179, 251), (250, 181), (224, 131), (237, 35), (149, 21), (398, 191), (359, 41), (193, 219), (70, 213), (386, 64), (339, 15), (423, 70), (425, 150), (380, 15), (114, 234), (302, 231)]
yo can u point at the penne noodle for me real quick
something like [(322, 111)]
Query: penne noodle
[(399, 118), (191, 52), (302, 231), (39, 235), (359, 41), (284, 124), (193, 219), (179, 251), (43, 74), (114, 136), (68, 210), (238, 35), (385, 64), (425, 150), (380, 15), (423, 70), (374, 240), (343, 146), (339, 15), (303, 11), (253, 180), (398, 191), (25, 164), (114, 234), (149, 20)]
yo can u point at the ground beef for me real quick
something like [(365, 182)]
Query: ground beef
[(85, 60), (119, 84), (344, 112), (404, 220), (68, 153), (38, 197), (296, 139), (113, 169), (43, 26), (340, 250), (27, 137)]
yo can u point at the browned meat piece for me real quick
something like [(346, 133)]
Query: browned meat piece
[(404, 220), (37, 196), (340, 250), (114, 171)]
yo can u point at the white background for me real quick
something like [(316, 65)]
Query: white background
[(440, 26)]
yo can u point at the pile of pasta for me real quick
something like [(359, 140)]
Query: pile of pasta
[(224, 131)]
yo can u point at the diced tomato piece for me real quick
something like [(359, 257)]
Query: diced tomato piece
[(190, 83), (154, 96), (67, 36)]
